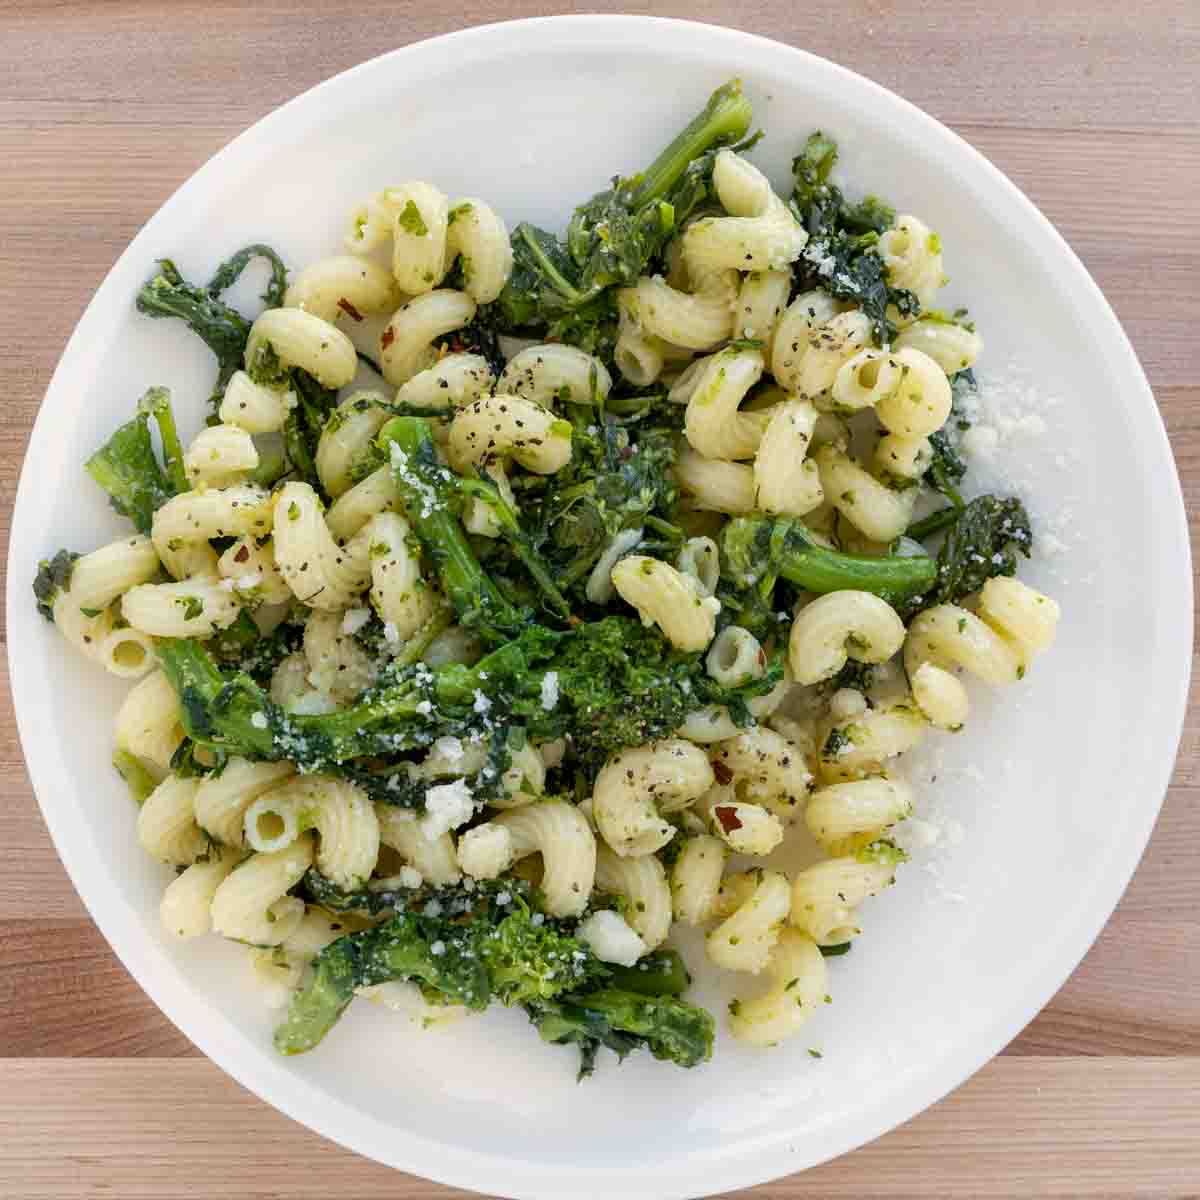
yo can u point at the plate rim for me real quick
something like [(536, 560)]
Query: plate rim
[(748, 1162)]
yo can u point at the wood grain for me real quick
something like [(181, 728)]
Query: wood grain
[(1092, 108), (171, 1130)]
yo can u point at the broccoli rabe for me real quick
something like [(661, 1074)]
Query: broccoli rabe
[(489, 945), (53, 576), (223, 328), (623, 1021), (463, 947), (946, 469), (410, 947), (429, 493), (753, 546), (615, 482), (983, 541), (128, 469), (366, 901), (838, 258), (617, 682), (563, 287)]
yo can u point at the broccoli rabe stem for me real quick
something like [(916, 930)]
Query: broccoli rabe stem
[(235, 714), (662, 973), (516, 537), (722, 121), (427, 491), (752, 546), (935, 522), (157, 403)]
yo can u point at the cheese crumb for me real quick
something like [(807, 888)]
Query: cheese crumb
[(610, 938), (447, 806), (550, 691), (259, 720)]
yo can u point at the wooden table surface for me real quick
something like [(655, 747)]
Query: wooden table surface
[(1092, 107)]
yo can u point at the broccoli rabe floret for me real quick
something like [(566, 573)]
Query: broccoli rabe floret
[(983, 541), (531, 960), (53, 577), (623, 1021)]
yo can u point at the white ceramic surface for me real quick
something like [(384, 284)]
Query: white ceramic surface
[(1056, 788)]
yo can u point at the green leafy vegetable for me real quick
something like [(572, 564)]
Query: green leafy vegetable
[(53, 576), (223, 329), (615, 482), (428, 491), (128, 469), (751, 546), (984, 541), (230, 271), (839, 256), (470, 948), (612, 236), (619, 684), (671, 1029)]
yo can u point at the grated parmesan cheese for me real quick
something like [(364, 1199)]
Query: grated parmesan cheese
[(447, 806)]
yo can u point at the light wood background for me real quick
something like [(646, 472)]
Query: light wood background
[(1092, 107)]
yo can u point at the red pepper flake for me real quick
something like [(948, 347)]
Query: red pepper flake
[(242, 554), (722, 772), (389, 336), (349, 309), (728, 818)]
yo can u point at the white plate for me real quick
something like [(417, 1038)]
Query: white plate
[(1057, 787)]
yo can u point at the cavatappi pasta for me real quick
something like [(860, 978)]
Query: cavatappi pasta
[(525, 598)]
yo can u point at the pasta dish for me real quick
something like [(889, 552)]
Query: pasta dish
[(527, 594)]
